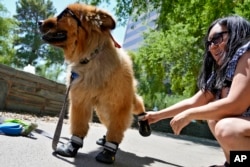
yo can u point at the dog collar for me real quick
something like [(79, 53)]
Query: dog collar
[(92, 55)]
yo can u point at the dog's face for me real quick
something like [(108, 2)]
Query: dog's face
[(78, 28)]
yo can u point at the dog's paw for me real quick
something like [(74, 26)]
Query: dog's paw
[(70, 149), (144, 128), (108, 154)]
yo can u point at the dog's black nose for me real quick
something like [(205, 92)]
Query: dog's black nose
[(40, 22)]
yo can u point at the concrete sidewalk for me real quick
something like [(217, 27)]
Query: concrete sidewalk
[(158, 150)]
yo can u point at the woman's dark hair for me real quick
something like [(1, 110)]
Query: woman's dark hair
[(239, 33)]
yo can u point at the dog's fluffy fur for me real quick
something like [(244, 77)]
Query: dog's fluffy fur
[(106, 83)]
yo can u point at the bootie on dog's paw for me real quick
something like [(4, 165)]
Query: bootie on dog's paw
[(108, 154), (144, 128), (70, 149), (101, 141)]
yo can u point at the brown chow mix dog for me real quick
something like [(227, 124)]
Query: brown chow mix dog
[(100, 77)]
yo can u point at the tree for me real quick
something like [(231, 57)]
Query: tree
[(30, 49), (6, 28), (166, 64)]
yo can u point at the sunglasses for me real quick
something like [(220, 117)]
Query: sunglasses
[(217, 38), (69, 12)]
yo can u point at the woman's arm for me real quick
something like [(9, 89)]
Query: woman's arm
[(200, 98)]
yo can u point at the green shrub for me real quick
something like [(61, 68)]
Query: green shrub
[(161, 100)]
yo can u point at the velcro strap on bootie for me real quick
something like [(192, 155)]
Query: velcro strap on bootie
[(77, 140), (111, 146)]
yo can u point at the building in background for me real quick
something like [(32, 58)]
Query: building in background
[(133, 37)]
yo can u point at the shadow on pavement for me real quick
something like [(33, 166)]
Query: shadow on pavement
[(123, 159)]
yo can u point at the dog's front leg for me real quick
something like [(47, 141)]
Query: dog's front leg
[(80, 114)]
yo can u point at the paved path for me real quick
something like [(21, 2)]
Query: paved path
[(158, 150)]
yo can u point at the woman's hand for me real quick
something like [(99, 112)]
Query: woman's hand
[(179, 122), (151, 116)]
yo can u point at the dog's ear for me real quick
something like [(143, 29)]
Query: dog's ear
[(101, 19)]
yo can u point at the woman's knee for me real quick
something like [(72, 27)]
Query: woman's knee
[(226, 131)]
